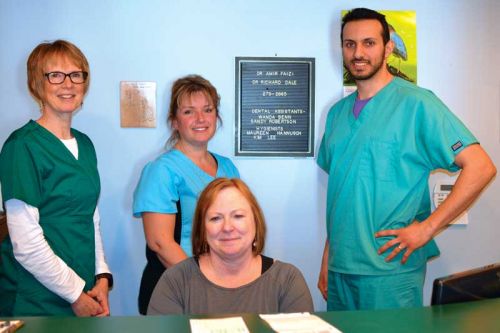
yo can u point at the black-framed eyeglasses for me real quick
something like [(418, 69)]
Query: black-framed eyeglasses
[(59, 77)]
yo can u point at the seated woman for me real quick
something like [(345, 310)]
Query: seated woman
[(170, 185), (228, 273)]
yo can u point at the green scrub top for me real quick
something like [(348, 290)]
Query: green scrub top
[(37, 168), (379, 166)]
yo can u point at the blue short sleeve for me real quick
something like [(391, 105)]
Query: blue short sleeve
[(324, 155), (157, 191), (330, 140), (323, 160), (443, 135)]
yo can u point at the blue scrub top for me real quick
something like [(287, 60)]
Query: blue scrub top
[(173, 178), (379, 166)]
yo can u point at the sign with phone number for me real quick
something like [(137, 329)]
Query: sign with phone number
[(274, 107)]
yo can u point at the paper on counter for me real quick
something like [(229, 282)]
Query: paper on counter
[(220, 325), (298, 323)]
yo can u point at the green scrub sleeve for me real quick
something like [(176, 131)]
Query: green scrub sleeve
[(18, 173)]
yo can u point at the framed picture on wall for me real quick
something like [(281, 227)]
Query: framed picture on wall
[(274, 107), (137, 104)]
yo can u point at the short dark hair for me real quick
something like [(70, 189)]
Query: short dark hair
[(207, 198), (358, 14)]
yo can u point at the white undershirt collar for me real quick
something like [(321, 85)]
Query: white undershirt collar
[(72, 146)]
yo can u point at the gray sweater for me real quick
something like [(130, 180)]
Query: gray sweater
[(183, 289)]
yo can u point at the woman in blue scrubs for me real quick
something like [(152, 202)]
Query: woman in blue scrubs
[(169, 187)]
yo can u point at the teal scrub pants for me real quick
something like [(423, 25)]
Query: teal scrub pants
[(367, 292)]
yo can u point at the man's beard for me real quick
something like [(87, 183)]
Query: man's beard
[(375, 69)]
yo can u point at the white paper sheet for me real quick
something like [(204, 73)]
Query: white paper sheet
[(222, 325), (298, 323)]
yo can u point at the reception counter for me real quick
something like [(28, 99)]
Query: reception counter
[(473, 317)]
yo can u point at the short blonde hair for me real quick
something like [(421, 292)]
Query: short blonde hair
[(207, 198), (47, 51)]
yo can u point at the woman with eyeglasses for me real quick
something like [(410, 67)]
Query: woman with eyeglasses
[(52, 261)]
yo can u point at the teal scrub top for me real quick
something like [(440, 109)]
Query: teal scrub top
[(173, 178), (36, 167), (379, 166)]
